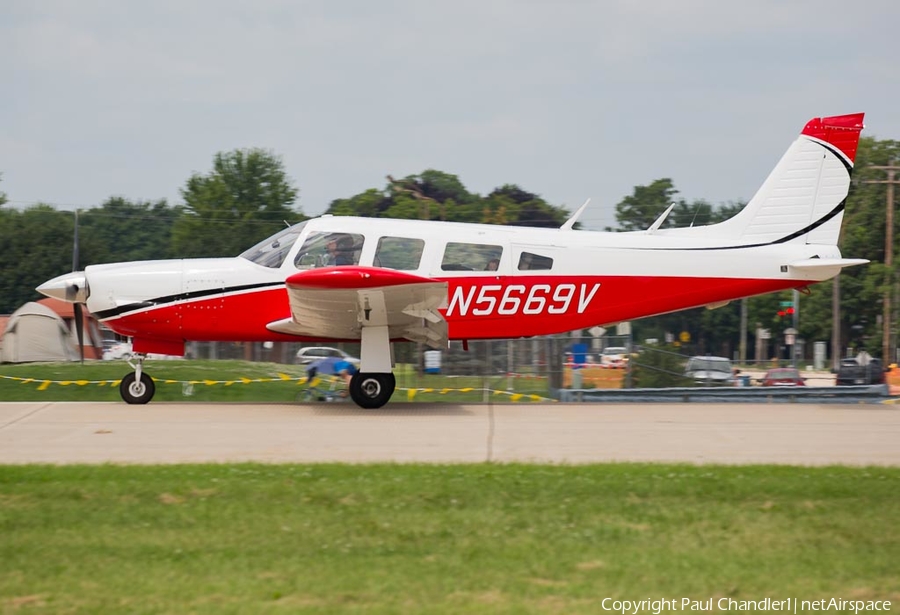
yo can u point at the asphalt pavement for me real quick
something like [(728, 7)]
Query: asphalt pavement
[(800, 434)]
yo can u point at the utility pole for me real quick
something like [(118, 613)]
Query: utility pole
[(836, 351), (891, 181)]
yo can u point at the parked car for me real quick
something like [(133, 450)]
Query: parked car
[(123, 351), (710, 370), (783, 377), (851, 372), (116, 350), (315, 353), (614, 356)]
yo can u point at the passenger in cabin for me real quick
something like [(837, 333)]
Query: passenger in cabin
[(492, 265)]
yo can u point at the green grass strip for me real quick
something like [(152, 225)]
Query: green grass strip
[(230, 380), (385, 538)]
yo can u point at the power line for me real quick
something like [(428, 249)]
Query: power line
[(99, 213)]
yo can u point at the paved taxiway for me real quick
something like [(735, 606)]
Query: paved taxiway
[(82, 432)]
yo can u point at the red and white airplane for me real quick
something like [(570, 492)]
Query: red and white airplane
[(378, 280)]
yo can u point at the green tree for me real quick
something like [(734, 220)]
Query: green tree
[(370, 204), (528, 209), (658, 367), (638, 211), (122, 230), (435, 195), (35, 245), (246, 197)]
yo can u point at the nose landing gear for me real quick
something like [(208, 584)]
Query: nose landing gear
[(137, 387)]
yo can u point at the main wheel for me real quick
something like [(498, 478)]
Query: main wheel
[(372, 390), (137, 392)]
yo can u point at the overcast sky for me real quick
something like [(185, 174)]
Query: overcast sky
[(569, 100)]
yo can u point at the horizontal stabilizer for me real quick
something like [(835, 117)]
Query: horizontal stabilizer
[(812, 264)]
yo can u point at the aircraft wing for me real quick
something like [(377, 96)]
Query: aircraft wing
[(338, 302)]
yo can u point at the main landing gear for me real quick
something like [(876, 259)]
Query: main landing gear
[(137, 387), (372, 386), (371, 390)]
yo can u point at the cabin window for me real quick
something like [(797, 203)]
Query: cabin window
[(471, 257), (401, 253), (272, 251), (329, 250), (529, 261)]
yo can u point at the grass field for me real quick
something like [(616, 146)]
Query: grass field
[(229, 380), (439, 539)]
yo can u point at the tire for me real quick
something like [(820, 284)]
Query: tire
[(372, 390), (134, 392)]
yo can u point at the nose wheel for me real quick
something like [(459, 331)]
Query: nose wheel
[(137, 387), (137, 391), (371, 390)]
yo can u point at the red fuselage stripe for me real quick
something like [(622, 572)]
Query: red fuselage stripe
[(478, 308)]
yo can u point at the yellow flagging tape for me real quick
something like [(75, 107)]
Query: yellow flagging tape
[(411, 393)]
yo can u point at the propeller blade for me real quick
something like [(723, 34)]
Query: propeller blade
[(79, 329)]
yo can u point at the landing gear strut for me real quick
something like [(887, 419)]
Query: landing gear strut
[(371, 390), (137, 387)]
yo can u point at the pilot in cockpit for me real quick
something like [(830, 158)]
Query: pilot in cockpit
[(340, 250), (331, 252)]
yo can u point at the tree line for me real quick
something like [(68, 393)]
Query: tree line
[(247, 196)]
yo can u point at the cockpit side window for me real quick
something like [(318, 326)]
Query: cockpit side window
[(402, 253), (471, 257), (272, 251), (324, 249), (533, 262)]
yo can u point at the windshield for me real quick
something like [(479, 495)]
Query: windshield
[(784, 373), (709, 365), (272, 251)]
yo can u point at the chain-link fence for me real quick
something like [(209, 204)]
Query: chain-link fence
[(535, 366), (539, 366)]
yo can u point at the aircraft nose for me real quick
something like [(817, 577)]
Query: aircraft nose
[(71, 287)]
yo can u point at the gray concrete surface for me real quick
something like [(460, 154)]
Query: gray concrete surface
[(81, 432)]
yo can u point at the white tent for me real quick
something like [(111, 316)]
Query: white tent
[(34, 332)]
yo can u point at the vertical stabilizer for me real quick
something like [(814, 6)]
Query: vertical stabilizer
[(802, 200)]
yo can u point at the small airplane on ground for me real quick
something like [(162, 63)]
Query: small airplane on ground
[(378, 280)]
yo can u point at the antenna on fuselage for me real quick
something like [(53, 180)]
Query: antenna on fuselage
[(662, 218), (568, 224), (696, 211)]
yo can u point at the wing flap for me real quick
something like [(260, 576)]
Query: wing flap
[(338, 302)]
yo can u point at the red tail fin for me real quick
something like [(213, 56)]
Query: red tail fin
[(841, 131)]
